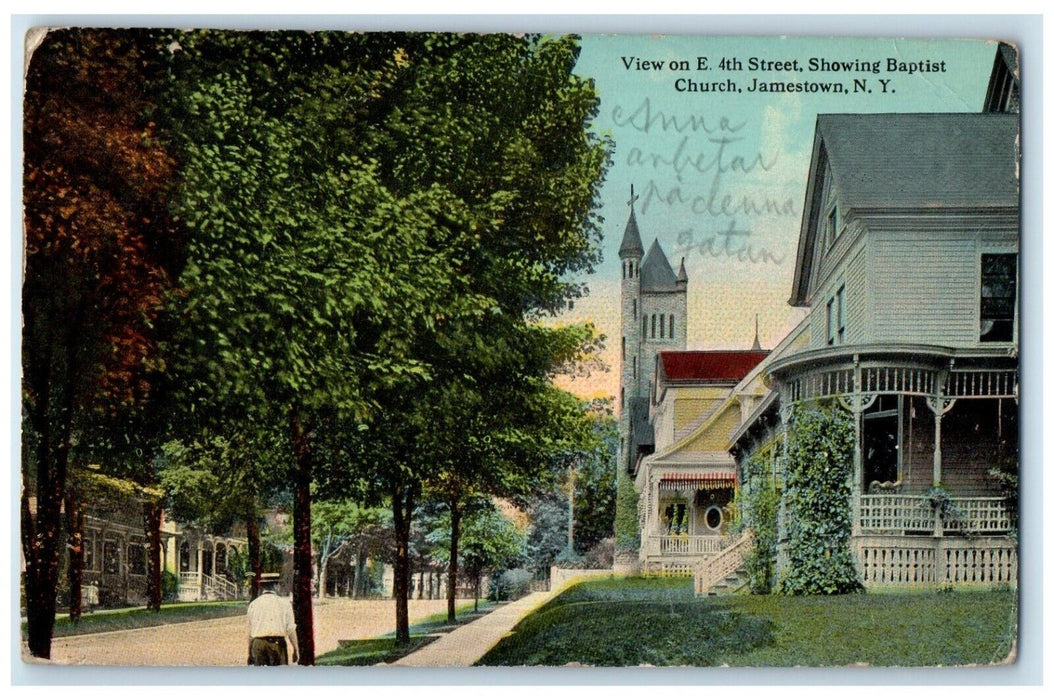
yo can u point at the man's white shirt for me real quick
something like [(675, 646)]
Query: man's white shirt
[(271, 616)]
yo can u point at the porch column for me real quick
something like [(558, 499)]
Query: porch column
[(858, 443), (653, 519), (940, 405)]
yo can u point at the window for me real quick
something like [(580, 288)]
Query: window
[(111, 557), (137, 559), (836, 317), (998, 297), (839, 303), (832, 226), (634, 309), (644, 327), (830, 322), (671, 325), (713, 517), (634, 366), (653, 325), (662, 325), (881, 441), (624, 270), (623, 348), (89, 551)]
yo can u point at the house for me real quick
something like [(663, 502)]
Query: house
[(907, 261)]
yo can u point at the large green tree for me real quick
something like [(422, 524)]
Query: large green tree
[(305, 273)]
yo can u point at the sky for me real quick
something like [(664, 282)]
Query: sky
[(720, 175)]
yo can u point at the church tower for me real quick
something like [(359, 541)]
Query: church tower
[(654, 319)]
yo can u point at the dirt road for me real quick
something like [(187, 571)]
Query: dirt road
[(223, 642)]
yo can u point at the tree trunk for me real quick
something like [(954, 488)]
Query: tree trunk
[(75, 564), (252, 530), (455, 535), (41, 538), (153, 538), (302, 559), (402, 510), (475, 603)]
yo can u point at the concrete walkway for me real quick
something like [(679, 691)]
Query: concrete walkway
[(465, 645)]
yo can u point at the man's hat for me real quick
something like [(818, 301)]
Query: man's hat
[(271, 579)]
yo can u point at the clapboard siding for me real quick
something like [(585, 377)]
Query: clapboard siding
[(923, 288), (857, 325)]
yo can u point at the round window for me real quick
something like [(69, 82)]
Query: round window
[(713, 517)]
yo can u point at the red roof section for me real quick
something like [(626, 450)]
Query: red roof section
[(710, 365)]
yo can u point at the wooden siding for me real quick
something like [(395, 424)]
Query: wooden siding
[(923, 288), (716, 436), (857, 324)]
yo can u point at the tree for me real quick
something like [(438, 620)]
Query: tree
[(305, 273), (100, 251), (489, 541)]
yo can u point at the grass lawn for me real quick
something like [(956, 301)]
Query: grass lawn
[(135, 618), (633, 621), (368, 652)]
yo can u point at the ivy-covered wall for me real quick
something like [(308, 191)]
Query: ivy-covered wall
[(627, 535), (818, 501), (758, 506)]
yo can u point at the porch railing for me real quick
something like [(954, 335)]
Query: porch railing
[(896, 514), (221, 587), (719, 567), (691, 545)]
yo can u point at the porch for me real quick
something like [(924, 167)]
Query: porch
[(916, 539)]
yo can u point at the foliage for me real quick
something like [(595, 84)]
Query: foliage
[(489, 540), (818, 493), (170, 586), (510, 584), (547, 532), (595, 490), (627, 533), (759, 500), (100, 251), (602, 554), (568, 558), (659, 621)]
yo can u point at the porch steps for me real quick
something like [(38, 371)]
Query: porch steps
[(733, 583)]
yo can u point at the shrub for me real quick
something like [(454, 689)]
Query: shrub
[(818, 501), (570, 559), (169, 586), (510, 584), (602, 555)]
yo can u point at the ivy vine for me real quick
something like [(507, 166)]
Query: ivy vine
[(818, 497)]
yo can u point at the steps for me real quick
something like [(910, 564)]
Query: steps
[(735, 582)]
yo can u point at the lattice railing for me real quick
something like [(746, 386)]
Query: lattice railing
[(965, 562), (896, 514)]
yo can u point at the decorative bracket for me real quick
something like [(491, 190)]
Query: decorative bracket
[(940, 405)]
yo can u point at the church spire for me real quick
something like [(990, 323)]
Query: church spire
[(757, 340), (631, 246)]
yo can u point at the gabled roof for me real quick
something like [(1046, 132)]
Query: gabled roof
[(656, 275), (631, 244), (924, 162), (709, 366)]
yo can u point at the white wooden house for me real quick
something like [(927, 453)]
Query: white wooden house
[(907, 260)]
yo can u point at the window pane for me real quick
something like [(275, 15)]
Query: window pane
[(998, 297)]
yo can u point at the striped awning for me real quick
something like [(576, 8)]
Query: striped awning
[(717, 479)]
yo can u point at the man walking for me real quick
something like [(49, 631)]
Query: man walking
[(270, 623)]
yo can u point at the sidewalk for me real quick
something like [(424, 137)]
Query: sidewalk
[(467, 644)]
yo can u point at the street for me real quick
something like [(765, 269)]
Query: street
[(223, 642)]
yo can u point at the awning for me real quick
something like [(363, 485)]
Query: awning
[(724, 479)]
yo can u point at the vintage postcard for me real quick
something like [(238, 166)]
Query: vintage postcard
[(440, 349)]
